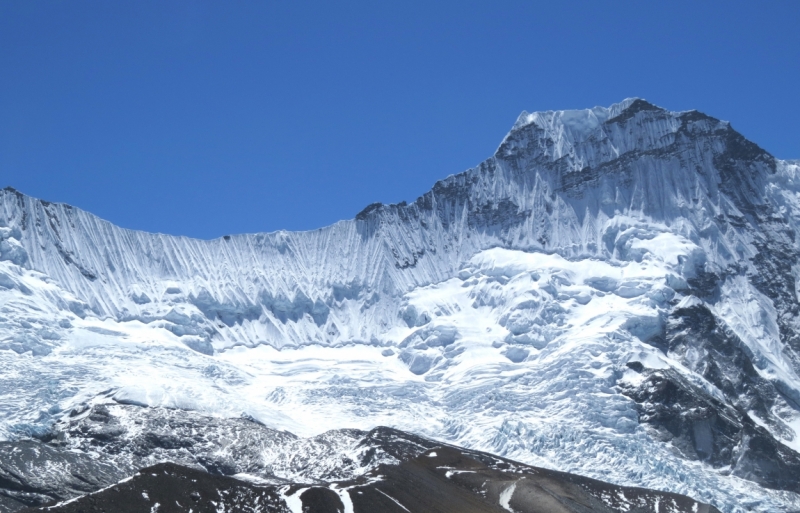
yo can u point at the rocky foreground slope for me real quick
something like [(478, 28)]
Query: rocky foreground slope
[(613, 294), (351, 471)]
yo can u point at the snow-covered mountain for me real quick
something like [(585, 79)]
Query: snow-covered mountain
[(613, 293)]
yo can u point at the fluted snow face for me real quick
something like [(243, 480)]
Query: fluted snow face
[(509, 309)]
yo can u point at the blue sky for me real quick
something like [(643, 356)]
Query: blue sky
[(208, 118)]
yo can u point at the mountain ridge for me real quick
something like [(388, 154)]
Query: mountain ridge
[(412, 472)]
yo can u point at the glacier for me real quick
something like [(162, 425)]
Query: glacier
[(613, 293)]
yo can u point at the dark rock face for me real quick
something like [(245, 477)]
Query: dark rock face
[(775, 279), (167, 487), (717, 430), (438, 479), (33, 473)]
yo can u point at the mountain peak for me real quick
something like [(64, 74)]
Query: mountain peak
[(581, 118)]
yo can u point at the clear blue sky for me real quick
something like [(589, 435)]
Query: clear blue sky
[(207, 118)]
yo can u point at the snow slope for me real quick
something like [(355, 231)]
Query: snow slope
[(537, 306)]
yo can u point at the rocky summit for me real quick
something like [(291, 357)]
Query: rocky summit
[(611, 296)]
